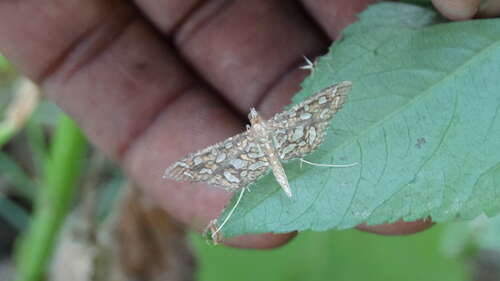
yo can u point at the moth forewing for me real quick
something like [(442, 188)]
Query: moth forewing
[(302, 128)]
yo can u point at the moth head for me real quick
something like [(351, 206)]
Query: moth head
[(253, 113), (254, 116)]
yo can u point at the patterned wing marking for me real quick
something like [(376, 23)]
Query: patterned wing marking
[(231, 164), (300, 130)]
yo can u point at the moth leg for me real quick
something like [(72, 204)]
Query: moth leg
[(215, 234)]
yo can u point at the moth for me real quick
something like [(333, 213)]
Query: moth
[(240, 160)]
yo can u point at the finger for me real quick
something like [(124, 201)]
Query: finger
[(104, 65), (244, 49), (34, 28), (334, 16), (398, 228), (457, 9), (169, 15), (264, 241), (489, 8)]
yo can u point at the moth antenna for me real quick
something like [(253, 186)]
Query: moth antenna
[(214, 234), (328, 165)]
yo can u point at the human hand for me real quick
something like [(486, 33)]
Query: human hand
[(153, 82)]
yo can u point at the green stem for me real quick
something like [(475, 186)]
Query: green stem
[(62, 170)]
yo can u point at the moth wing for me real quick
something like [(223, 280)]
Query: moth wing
[(300, 130), (231, 164)]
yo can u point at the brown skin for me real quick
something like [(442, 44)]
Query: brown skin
[(466, 9), (152, 82)]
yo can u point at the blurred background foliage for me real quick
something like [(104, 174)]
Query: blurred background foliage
[(337, 255), (45, 163)]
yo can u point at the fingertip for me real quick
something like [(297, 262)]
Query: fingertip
[(398, 228), (264, 241), (489, 8), (457, 10)]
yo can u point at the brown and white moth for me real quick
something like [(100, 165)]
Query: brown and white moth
[(242, 159)]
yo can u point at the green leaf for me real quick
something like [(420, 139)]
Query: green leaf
[(422, 122)]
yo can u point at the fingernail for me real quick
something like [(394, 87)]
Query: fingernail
[(457, 10)]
